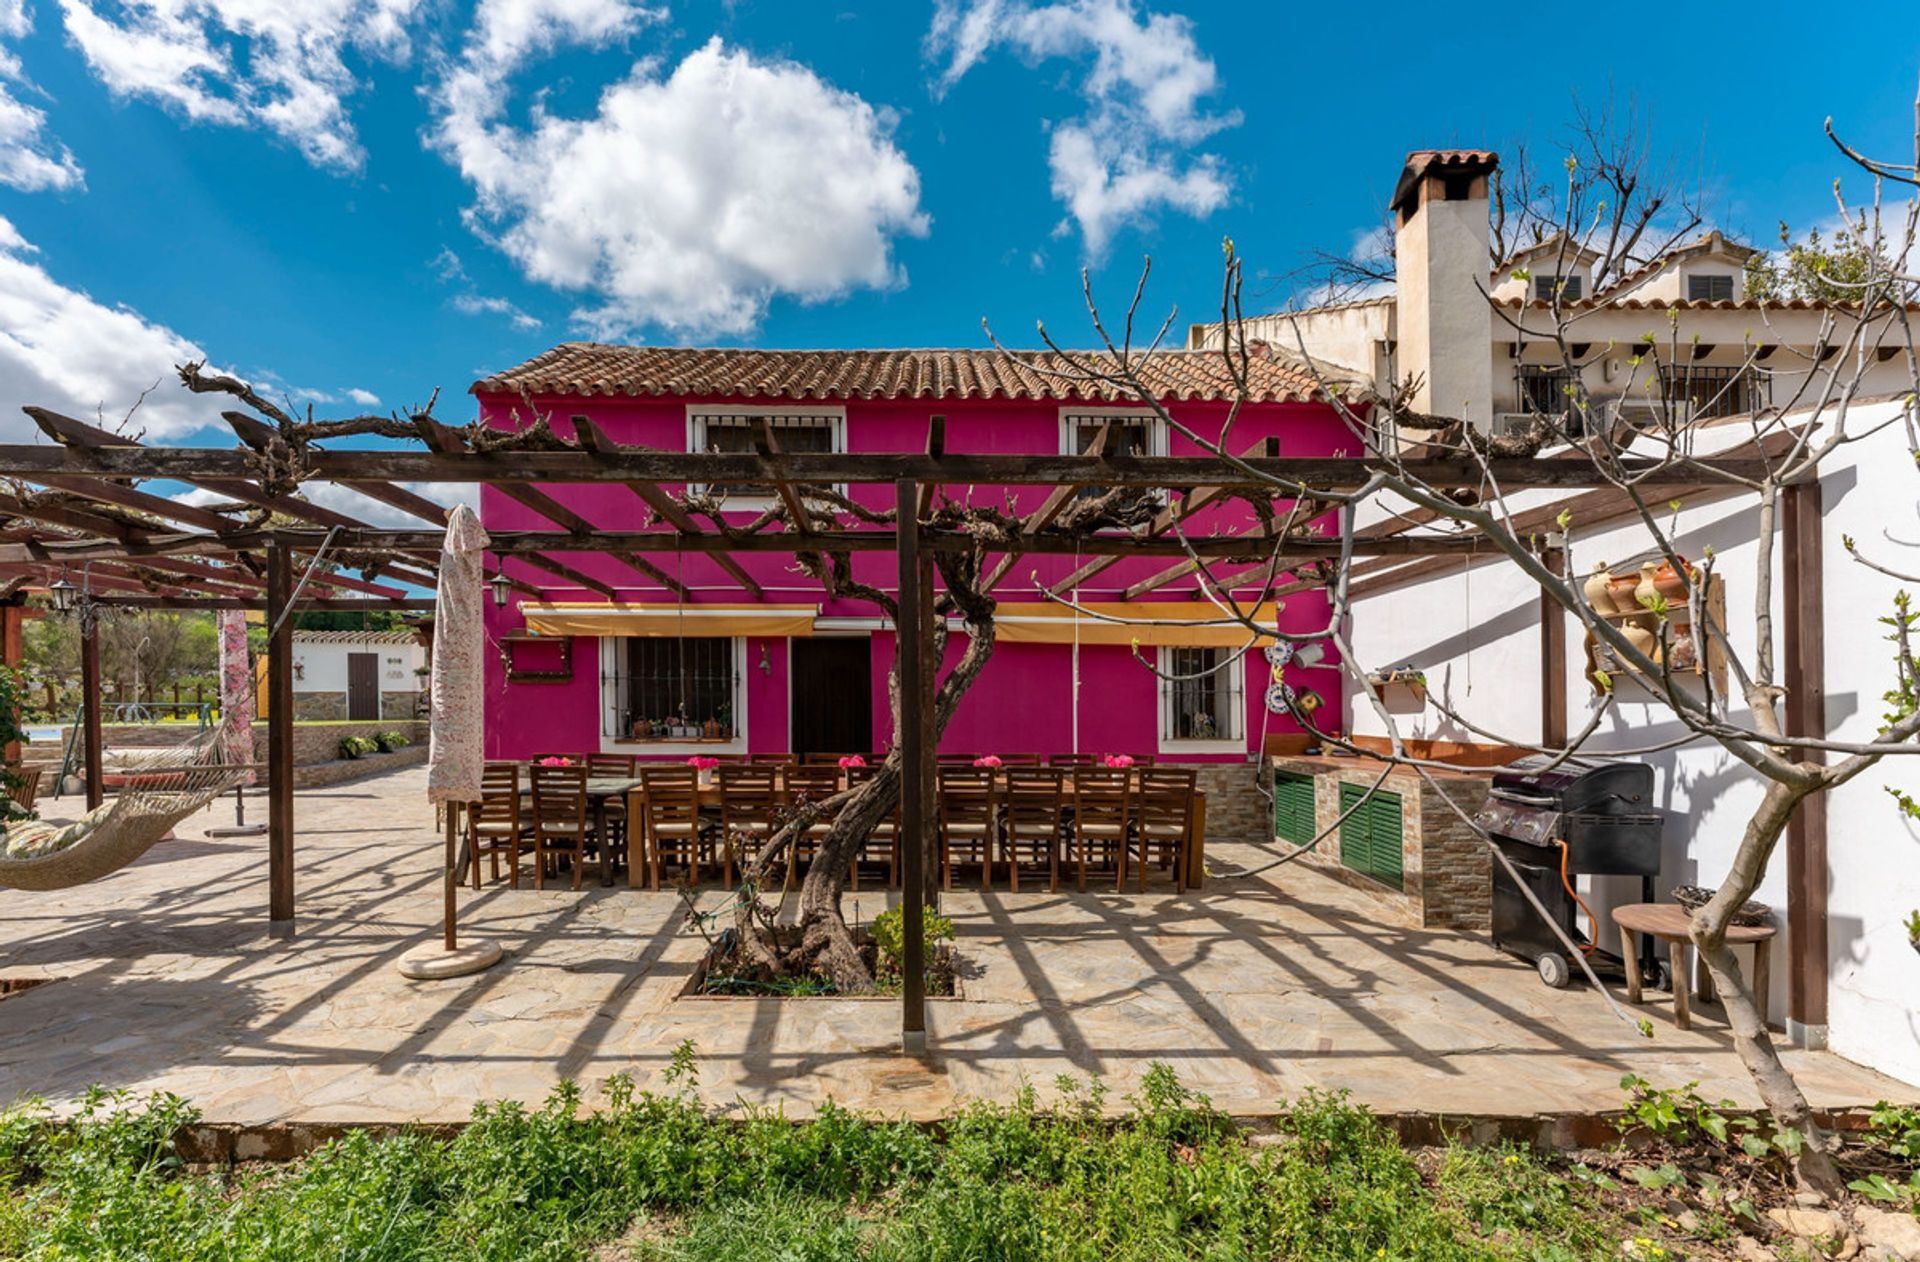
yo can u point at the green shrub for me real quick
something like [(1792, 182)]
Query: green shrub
[(357, 746), (390, 741), (889, 932)]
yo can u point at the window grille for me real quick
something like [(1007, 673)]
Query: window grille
[(1710, 288), (1132, 435), (1543, 390), (732, 432), (1568, 287), (667, 688), (1714, 392), (1202, 695)]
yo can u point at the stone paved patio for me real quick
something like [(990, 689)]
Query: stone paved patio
[(1255, 990)]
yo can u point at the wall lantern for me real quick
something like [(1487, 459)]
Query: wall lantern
[(502, 586), (62, 593)]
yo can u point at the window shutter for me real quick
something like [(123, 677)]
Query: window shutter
[(1371, 836), (1293, 808)]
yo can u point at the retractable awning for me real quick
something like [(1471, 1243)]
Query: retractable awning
[(1183, 623), (609, 618)]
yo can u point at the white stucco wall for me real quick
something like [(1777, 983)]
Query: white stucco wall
[(1476, 634), (322, 667)]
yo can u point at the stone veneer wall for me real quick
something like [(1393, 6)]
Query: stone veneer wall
[(312, 743), (1446, 870), (319, 707), (1237, 807)]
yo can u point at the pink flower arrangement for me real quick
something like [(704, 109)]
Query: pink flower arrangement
[(1119, 762), (852, 760), (701, 762), (990, 762), (556, 762)]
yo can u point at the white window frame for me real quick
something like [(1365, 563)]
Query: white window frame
[(833, 420), (1235, 677), (1156, 426), (610, 698)]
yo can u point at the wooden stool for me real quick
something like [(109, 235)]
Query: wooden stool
[(1672, 924)]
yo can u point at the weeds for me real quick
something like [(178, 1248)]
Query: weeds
[(669, 1181)]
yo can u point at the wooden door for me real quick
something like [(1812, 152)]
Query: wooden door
[(832, 695), (363, 686)]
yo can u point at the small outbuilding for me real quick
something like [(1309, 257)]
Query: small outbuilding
[(358, 675)]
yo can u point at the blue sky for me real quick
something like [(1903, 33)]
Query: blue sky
[(365, 199)]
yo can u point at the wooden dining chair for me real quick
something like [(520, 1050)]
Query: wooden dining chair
[(1072, 760), (25, 790), (811, 782), (560, 824), (955, 760), (1163, 821), (751, 807), (882, 846), (1030, 823), (968, 805), (1022, 760), (614, 767), (495, 824), (1102, 799), (671, 830), (769, 760)]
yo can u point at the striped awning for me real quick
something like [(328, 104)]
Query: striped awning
[(1180, 623), (611, 618)]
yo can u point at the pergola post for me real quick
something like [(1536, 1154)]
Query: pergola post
[(1553, 658), (1805, 649), (279, 740), (916, 740), (90, 706), (12, 650)]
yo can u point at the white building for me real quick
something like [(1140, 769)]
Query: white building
[(1844, 973), (1708, 350), (358, 674)]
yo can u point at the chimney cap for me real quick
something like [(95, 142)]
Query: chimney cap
[(1423, 162)]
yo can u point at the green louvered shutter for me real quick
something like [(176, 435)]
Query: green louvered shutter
[(1370, 837), (1293, 814)]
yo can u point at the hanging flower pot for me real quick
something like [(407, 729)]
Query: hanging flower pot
[(1620, 590), (1668, 582), (1596, 590)]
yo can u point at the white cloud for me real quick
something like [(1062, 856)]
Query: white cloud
[(374, 512), (1130, 155), (365, 398), (690, 198), (278, 64), (62, 349), (485, 304), (30, 158)]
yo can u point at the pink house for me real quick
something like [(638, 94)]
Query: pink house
[(724, 669)]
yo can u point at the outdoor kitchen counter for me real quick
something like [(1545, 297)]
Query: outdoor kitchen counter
[(1413, 854)]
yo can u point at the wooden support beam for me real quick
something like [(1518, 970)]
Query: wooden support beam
[(667, 510), (560, 570), (91, 762), (916, 740), (935, 448), (111, 492), (279, 742), (200, 465), (1803, 579), (194, 600), (640, 565), (1553, 659), (12, 652), (771, 457)]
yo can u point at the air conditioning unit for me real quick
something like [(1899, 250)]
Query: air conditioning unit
[(1509, 424)]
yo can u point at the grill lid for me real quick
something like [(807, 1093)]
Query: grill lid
[(1575, 784)]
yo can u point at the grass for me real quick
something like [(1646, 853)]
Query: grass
[(657, 1177)]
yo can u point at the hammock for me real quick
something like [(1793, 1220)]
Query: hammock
[(158, 789)]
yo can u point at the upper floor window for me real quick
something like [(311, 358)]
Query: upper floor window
[(1710, 288), (1568, 287), (732, 429), (1134, 433)]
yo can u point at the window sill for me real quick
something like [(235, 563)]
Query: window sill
[(1224, 745), (671, 747)]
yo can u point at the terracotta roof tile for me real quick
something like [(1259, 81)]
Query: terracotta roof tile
[(592, 368), (355, 637)]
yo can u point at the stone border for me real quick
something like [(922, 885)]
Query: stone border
[(228, 1143), (317, 775)]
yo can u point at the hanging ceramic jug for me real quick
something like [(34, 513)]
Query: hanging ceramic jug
[(1621, 588), (1596, 590), (1646, 593), (1668, 583)]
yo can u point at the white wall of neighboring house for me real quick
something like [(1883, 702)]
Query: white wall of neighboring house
[(322, 666), (1476, 634)]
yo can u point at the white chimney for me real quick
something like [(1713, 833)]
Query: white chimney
[(1442, 262)]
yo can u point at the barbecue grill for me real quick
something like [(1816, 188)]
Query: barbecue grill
[(1556, 821)]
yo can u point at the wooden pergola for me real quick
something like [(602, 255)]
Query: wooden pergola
[(142, 550)]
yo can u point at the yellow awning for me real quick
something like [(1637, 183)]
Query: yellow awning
[(606, 618), (1182, 623)]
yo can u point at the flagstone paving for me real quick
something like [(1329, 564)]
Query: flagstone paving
[(1254, 990)]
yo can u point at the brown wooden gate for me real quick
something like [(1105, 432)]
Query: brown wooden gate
[(363, 686)]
